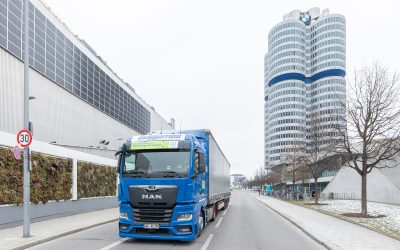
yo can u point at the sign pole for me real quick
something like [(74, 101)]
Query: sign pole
[(27, 187)]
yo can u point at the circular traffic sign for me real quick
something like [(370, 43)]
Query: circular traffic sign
[(17, 152), (24, 138)]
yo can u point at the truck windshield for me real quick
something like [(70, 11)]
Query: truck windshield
[(157, 163)]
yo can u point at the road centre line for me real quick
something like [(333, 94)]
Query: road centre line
[(112, 245), (219, 222), (207, 242)]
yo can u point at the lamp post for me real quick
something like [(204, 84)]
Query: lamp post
[(27, 187)]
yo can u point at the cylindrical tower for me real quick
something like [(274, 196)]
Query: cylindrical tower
[(304, 77)]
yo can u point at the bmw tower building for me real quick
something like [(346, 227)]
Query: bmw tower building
[(304, 75)]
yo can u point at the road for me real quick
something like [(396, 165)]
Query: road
[(246, 224)]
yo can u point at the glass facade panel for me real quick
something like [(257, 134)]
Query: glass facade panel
[(55, 56)]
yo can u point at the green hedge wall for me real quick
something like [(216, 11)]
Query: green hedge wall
[(96, 180), (51, 178)]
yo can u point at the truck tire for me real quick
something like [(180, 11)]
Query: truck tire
[(226, 204), (200, 224)]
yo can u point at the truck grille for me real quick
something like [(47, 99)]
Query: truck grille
[(152, 215)]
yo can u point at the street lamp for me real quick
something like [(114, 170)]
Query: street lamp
[(27, 187)]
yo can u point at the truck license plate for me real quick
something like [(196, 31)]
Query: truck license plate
[(151, 226)]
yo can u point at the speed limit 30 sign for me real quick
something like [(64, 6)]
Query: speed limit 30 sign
[(24, 138)]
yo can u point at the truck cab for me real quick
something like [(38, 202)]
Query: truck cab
[(163, 187)]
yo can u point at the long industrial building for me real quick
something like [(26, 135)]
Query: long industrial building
[(76, 100), (304, 78)]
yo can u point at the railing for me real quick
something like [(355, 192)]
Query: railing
[(338, 196)]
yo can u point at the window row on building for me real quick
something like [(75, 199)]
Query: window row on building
[(301, 47), (286, 128), (279, 70), (291, 84), (284, 136), (286, 121), (325, 82), (288, 106), (294, 53), (286, 99), (287, 32), (328, 27), (287, 39), (327, 89), (55, 56), (286, 61), (327, 35), (340, 56), (329, 64), (287, 92), (288, 113), (283, 26), (332, 19)]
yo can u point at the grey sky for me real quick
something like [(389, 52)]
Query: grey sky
[(202, 61)]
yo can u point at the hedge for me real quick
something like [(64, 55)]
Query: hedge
[(51, 178), (96, 180)]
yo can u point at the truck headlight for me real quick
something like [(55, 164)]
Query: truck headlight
[(185, 217), (123, 215)]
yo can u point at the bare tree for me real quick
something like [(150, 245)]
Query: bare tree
[(319, 152), (293, 158), (371, 138)]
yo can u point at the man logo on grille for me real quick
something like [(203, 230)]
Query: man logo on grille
[(151, 196)]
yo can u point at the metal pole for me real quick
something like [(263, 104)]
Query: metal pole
[(27, 187)]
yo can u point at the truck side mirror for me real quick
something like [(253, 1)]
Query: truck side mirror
[(119, 164), (202, 163)]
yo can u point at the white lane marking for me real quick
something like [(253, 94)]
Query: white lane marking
[(112, 245), (219, 222), (226, 210), (207, 242)]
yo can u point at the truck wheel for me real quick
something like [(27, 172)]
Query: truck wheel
[(200, 224), (226, 203)]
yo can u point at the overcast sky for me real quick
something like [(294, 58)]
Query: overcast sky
[(202, 61)]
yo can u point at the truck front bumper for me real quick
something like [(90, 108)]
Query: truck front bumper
[(184, 230)]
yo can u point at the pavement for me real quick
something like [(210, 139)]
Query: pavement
[(332, 232), (246, 224), (43, 231)]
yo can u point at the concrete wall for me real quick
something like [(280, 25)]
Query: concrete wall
[(383, 185), (12, 215)]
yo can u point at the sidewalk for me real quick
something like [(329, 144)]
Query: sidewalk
[(11, 238), (332, 232)]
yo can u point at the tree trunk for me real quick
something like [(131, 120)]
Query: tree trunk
[(364, 211), (316, 190), (293, 189)]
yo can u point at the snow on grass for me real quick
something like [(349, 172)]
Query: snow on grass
[(389, 224)]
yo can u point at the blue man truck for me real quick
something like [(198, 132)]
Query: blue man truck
[(171, 184)]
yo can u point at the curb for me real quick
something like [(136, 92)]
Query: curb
[(53, 237), (313, 237)]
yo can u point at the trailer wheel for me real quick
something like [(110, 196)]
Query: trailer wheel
[(200, 224)]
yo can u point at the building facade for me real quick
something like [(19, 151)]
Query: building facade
[(77, 100), (304, 71)]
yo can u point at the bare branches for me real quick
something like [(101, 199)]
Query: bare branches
[(373, 115), (371, 138)]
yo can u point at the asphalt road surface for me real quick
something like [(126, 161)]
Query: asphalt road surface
[(246, 224)]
